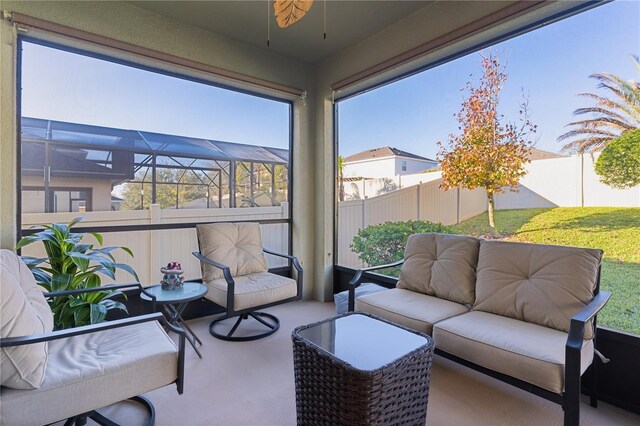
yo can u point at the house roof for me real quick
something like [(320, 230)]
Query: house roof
[(383, 152), (539, 154)]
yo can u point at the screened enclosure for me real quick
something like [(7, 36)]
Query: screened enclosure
[(69, 167)]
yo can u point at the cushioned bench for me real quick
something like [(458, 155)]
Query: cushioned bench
[(524, 313)]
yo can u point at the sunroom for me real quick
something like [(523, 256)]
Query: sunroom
[(155, 119)]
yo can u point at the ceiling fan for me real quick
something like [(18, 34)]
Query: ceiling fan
[(288, 12)]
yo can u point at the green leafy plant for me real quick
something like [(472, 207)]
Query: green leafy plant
[(72, 265), (619, 164), (381, 244)]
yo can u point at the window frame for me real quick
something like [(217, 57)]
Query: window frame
[(87, 51)]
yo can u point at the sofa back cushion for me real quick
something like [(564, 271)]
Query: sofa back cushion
[(236, 245), (441, 265), (23, 312), (536, 283)]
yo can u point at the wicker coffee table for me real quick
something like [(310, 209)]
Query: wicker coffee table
[(357, 369)]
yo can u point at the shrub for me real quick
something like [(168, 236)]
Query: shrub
[(619, 163), (380, 244)]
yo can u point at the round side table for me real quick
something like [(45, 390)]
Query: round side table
[(174, 302)]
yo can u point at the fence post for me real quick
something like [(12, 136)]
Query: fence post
[(418, 201), (458, 206), (155, 244)]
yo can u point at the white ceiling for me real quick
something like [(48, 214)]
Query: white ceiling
[(348, 22)]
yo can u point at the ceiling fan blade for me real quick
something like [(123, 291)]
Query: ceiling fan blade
[(288, 12)]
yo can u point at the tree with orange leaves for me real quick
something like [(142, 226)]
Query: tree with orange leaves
[(489, 152)]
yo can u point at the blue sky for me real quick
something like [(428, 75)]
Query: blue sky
[(551, 64), (63, 86)]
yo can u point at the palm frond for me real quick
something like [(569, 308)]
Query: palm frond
[(595, 123), (582, 132), (616, 112), (603, 112), (608, 103), (591, 144)]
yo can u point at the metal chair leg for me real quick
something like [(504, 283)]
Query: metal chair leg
[(268, 320), (81, 419)]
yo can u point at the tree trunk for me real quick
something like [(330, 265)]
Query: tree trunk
[(492, 219)]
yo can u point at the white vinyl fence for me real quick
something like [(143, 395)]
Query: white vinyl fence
[(420, 202), (359, 189), (566, 182), (154, 249)]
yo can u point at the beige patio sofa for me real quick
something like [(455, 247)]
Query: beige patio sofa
[(524, 313)]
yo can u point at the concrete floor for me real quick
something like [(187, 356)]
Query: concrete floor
[(251, 383)]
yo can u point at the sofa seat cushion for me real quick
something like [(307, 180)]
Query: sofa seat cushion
[(23, 312), (413, 310), (236, 245), (528, 352), (536, 283), (252, 290), (441, 265), (95, 370)]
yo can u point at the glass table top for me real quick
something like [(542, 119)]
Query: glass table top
[(363, 342), (189, 291)]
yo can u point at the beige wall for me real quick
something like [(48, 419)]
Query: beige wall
[(131, 24)]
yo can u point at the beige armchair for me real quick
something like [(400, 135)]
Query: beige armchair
[(235, 270), (49, 376)]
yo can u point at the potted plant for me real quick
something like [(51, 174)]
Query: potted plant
[(72, 265)]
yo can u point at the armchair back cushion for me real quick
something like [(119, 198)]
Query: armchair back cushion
[(540, 284), (23, 312), (236, 245), (441, 265)]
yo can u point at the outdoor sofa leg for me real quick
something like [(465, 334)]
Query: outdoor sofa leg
[(572, 389), (571, 407), (593, 397)]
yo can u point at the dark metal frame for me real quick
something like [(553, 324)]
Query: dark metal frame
[(570, 399), (243, 314), (93, 328)]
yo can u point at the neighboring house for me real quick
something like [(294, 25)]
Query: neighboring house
[(385, 162), (538, 154)]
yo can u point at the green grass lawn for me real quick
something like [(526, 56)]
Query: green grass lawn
[(614, 230)]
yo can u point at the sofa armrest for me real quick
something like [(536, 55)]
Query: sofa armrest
[(573, 348), (355, 282), (579, 320)]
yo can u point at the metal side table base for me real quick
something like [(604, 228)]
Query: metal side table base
[(174, 303), (175, 317)]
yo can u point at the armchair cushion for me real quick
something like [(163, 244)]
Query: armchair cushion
[(95, 370), (441, 265), (539, 284), (236, 245), (252, 290), (23, 311)]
